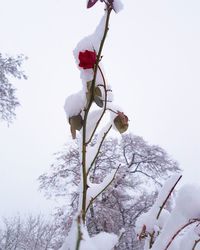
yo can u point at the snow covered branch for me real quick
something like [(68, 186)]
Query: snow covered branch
[(175, 230)]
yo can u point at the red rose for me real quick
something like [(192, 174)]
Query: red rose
[(87, 59)]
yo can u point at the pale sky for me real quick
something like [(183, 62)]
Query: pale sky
[(152, 61)]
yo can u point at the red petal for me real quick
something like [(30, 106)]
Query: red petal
[(91, 3)]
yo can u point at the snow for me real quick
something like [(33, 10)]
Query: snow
[(177, 224), (105, 241), (187, 208), (188, 201), (93, 117), (188, 239), (71, 239), (91, 42), (92, 149), (74, 104), (174, 222), (95, 189), (150, 218), (101, 241), (117, 6)]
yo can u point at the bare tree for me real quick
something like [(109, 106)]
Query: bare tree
[(32, 233), (9, 67), (143, 168)]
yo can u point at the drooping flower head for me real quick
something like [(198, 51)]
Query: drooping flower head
[(87, 59), (116, 5)]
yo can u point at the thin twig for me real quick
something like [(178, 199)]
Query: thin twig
[(98, 150), (179, 230), (195, 244), (165, 201), (79, 233)]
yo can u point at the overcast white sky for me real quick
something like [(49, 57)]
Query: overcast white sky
[(152, 60)]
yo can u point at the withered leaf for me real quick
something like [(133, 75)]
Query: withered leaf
[(97, 92), (76, 123), (98, 101), (121, 122), (89, 84)]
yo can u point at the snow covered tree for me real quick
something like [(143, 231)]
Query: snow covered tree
[(9, 66), (29, 233), (127, 197)]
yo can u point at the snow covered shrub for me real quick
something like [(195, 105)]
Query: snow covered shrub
[(86, 112), (178, 229)]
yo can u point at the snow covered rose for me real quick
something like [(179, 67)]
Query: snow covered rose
[(87, 59)]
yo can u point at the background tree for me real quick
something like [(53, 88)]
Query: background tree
[(9, 67), (31, 233), (143, 168)]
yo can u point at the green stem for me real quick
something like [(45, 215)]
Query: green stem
[(104, 109), (87, 109), (79, 234)]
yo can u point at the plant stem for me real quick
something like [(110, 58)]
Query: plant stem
[(79, 234), (87, 109), (104, 109)]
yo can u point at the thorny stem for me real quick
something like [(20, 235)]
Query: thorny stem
[(165, 201), (87, 109)]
